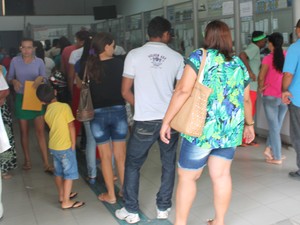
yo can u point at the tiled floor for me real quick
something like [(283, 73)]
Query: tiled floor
[(263, 194)]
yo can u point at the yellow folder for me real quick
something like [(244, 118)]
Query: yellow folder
[(30, 101)]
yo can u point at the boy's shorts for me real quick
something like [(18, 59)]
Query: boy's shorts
[(65, 163)]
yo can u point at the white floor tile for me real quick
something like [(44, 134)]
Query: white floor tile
[(263, 194)]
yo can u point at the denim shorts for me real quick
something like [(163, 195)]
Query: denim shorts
[(109, 124), (193, 157), (65, 164)]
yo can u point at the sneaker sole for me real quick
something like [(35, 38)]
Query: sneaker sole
[(125, 218)]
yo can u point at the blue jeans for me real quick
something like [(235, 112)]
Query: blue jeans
[(144, 135), (275, 111), (295, 130), (90, 151), (110, 124), (193, 157)]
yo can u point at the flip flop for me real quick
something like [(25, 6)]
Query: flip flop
[(102, 198), (273, 161), (209, 221), (268, 155), (26, 166), (6, 176), (75, 205), (49, 170), (72, 195)]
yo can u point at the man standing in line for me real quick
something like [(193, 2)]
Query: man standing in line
[(251, 58), (291, 95), (154, 69)]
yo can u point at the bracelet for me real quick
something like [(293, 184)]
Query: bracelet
[(249, 124)]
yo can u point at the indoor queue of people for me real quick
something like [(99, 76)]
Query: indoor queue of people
[(127, 163)]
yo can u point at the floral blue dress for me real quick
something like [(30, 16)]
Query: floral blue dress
[(225, 109)]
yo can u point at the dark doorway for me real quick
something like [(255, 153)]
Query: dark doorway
[(10, 39)]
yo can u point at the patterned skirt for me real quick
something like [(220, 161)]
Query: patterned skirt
[(8, 159)]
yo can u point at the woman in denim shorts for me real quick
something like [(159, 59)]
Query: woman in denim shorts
[(228, 110), (109, 126)]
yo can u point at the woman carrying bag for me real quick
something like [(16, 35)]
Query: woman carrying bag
[(228, 114)]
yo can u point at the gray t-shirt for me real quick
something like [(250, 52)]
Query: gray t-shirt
[(154, 68)]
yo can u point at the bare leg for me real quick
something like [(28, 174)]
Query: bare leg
[(24, 131), (119, 150), (60, 187), (268, 153), (40, 134), (186, 184), (67, 188), (105, 153), (66, 202), (219, 171)]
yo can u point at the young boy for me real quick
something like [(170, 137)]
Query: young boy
[(60, 119)]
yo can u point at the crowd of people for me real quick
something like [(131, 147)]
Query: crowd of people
[(155, 81)]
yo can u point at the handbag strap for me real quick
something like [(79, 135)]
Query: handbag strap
[(201, 69), (85, 78)]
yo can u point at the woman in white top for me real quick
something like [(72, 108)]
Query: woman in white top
[(40, 53)]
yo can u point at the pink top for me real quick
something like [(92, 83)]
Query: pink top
[(66, 55), (273, 78)]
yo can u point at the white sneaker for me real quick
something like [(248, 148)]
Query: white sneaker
[(123, 214), (162, 215)]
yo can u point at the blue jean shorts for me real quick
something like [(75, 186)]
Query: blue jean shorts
[(65, 164), (193, 157), (110, 124)]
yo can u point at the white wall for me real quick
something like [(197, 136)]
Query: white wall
[(130, 7), (84, 7), (11, 23), (46, 8), (58, 20)]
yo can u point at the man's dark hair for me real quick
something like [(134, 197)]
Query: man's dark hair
[(298, 24), (55, 42), (258, 36), (157, 26), (45, 93), (82, 35), (26, 39)]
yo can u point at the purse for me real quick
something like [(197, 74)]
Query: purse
[(85, 111), (190, 119)]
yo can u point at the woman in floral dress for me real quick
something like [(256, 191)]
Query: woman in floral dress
[(8, 159)]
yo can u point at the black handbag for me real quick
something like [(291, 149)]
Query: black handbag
[(85, 111)]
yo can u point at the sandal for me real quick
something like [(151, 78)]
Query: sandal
[(91, 180), (274, 161), (209, 221), (75, 205), (104, 198), (268, 154), (26, 165), (6, 176), (49, 170), (72, 195)]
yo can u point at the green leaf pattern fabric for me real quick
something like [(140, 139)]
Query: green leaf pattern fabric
[(225, 110)]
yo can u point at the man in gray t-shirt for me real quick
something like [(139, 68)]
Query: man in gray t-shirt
[(154, 69)]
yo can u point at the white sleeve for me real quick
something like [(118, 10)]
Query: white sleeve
[(3, 84), (129, 70), (72, 59), (4, 141), (180, 69)]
